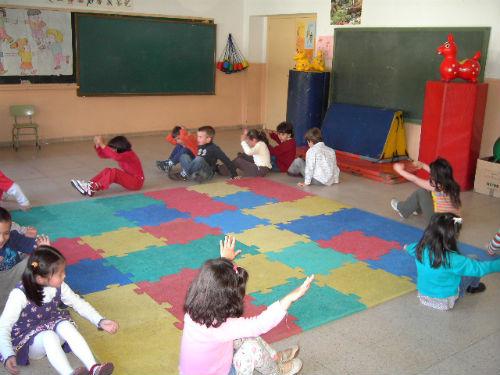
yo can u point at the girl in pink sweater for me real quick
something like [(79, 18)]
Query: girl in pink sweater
[(216, 339)]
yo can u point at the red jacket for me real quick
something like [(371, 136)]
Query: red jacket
[(128, 160), (284, 152), (189, 141)]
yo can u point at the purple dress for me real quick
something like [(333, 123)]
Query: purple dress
[(33, 320)]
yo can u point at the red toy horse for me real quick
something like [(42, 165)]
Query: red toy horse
[(451, 68)]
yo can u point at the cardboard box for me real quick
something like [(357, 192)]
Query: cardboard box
[(487, 177)]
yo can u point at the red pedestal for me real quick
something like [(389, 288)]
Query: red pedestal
[(452, 126)]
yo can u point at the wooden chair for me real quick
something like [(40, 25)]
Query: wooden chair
[(23, 124)]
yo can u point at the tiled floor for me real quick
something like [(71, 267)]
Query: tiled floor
[(397, 337)]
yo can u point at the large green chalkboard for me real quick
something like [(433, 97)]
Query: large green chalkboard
[(124, 55), (388, 67)]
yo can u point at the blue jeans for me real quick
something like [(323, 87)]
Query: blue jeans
[(179, 150), (196, 167), (466, 282)]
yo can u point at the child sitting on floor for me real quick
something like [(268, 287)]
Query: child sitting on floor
[(184, 143), (443, 274), (13, 249), (130, 176), (256, 161), (284, 152), (9, 189), (204, 165), (320, 166), (440, 193), (33, 326), (216, 339)]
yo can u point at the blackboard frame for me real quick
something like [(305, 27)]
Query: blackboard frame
[(354, 93), (37, 79), (205, 22)]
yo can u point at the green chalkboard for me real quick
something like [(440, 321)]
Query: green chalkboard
[(125, 55), (388, 67)]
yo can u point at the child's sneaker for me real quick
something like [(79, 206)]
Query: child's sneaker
[(102, 369), (177, 176), (288, 354), (291, 367), (394, 205), (476, 289), (84, 187)]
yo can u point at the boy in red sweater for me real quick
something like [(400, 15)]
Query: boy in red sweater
[(184, 143), (283, 153), (130, 176)]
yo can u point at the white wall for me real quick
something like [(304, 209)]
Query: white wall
[(399, 13), (227, 14)]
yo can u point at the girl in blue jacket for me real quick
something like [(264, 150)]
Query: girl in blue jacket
[(444, 274)]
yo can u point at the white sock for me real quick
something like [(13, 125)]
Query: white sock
[(16, 192)]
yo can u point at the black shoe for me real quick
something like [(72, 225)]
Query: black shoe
[(476, 289), (176, 176), (161, 165)]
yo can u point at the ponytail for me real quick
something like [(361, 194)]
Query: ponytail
[(44, 262), (259, 135)]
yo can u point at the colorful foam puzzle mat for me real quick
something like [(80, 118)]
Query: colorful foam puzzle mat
[(133, 257)]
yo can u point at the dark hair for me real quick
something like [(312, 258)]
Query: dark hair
[(440, 238), (210, 131), (285, 128), (258, 134), (217, 293), (314, 135), (5, 216), (120, 144), (33, 12), (442, 180), (2, 11), (44, 262), (176, 131)]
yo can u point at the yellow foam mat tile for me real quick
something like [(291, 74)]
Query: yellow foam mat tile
[(372, 286), (147, 341), (284, 212), (265, 274), (217, 189), (270, 238), (122, 241)]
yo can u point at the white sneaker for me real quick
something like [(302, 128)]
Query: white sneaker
[(291, 367), (84, 187), (394, 205)]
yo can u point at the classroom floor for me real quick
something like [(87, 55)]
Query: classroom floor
[(397, 337)]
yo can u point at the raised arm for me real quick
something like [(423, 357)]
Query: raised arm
[(400, 169)]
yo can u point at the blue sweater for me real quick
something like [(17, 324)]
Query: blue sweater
[(444, 282), (10, 253)]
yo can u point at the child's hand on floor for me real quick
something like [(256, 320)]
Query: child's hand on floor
[(227, 248), (109, 326), (300, 184), (42, 240), (11, 366)]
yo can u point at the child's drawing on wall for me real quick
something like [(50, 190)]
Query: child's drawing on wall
[(26, 56), (3, 31), (2, 68), (37, 26), (55, 39)]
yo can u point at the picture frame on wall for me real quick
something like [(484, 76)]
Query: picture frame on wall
[(346, 12)]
